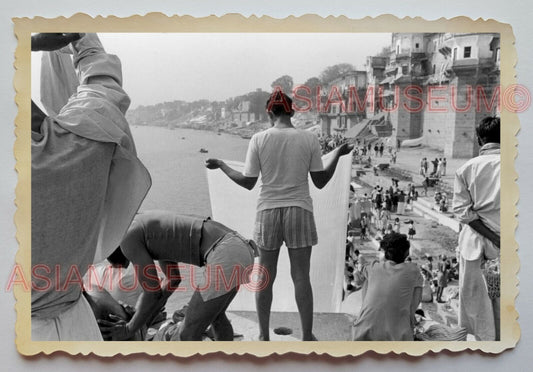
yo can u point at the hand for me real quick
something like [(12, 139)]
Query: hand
[(52, 41), (345, 149), (115, 330), (128, 309), (213, 163)]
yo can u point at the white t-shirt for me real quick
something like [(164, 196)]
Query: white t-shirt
[(284, 157)]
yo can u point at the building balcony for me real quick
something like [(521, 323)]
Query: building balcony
[(391, 69), (418, 55), (388, 80), (470, 63), (402, 54), (407, 54), (397, 57), (350, 114), (378, 62)]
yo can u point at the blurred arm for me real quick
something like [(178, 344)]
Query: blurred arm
[(237, 177)]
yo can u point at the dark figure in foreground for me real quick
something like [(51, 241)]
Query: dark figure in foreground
[(392, 291)]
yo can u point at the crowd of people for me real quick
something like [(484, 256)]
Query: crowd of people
[(441, 201), (331, 142), (381, 204), (88, 184), (393, 277), (439, 167), (438, 276), (476, 266), (417, 276), (476, 204), (364, 152)]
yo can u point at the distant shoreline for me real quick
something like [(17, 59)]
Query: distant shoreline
[(217, 130)]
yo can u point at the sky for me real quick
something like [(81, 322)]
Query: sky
[(163, 67)]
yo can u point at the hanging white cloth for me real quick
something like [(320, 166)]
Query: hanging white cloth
[(235, 207)]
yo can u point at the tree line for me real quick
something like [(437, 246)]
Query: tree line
[(179, 110)]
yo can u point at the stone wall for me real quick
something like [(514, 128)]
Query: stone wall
[(438, 118), (449, 125)]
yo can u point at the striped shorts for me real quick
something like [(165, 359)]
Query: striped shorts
[(293, 225)]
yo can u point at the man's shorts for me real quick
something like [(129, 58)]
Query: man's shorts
[(228, 264), (293, 225)]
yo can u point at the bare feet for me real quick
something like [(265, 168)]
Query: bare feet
[(313, 338)]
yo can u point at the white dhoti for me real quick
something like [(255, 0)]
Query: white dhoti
[(475, 307), (401, 208), (77, 323)]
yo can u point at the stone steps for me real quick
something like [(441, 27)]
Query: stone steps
[(424, 208)]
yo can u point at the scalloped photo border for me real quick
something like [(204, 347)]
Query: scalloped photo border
[(157, 22)]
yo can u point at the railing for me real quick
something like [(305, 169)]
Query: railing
[(469, 62)]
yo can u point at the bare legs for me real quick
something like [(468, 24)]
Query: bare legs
[(201, 314), (300, 265), (263, 298), (300, 259)]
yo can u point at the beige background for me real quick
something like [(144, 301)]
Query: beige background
[(517, 16)]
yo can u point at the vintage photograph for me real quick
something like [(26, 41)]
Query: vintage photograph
[(259, 187)]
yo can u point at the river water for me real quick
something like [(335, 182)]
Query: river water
[(179, 179), (177, 167)]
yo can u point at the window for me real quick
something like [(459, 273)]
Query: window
[(454, 55), (398, 49), (405, 70), (417, 45), (434, 68), (468, 52)]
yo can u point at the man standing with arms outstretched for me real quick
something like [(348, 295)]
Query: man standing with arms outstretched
[(284, 156)]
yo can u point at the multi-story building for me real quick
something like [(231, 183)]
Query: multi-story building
[(465, 73), (248, 108), (243, 114), (437, 86), (339, 110), (375, 72), (406, 68)]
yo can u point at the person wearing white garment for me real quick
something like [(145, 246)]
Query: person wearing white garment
[(476, 203), (401, 202), (439, 168), (87, 184)]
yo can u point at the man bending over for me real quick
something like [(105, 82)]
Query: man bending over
[(172, 238)]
